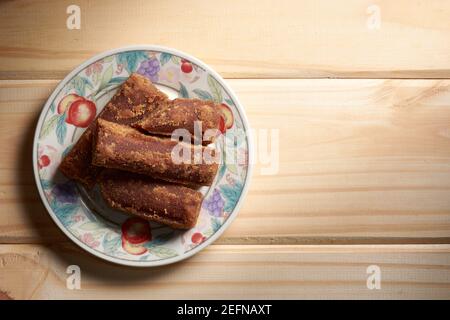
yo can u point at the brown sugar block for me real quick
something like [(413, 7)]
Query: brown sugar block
[(122, 147), (135, 97), (163, 202), (182, 113), (77, 163)]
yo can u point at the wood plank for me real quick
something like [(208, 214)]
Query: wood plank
[(233, 272), (251, 39), (361, 161), (357, 158)]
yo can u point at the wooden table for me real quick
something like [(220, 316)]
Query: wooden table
[(363, 110)]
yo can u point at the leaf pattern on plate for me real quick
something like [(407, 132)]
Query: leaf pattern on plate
[(49, 126), (176, 60), (229, 102), (53, 107), (131, 59), (202, 94), (162, 238), (231, 193), (61, 129), (80, 84), (111, 242), (66, 151), (183, 91), (216, 89), (65, 212), (106, 78), (164, 58), (162, 252), (46, 184), (90, 226), (215, 224)]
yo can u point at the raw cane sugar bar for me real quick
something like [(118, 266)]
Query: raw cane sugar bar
[(183, 113), (122, 147), (174, 205), (136, 96), (77, 163)]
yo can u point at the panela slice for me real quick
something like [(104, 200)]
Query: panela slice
[(133, 100), (163, 202), (125, 148), (183, 114)]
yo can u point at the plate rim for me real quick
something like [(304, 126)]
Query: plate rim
[(245, 123)]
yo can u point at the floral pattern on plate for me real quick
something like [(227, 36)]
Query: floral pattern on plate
[(111, 234)]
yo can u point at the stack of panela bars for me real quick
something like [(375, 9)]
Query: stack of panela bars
[(128, 151)]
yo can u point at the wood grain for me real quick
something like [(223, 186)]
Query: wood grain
[(360, 161), (233, 272), (240, 39)]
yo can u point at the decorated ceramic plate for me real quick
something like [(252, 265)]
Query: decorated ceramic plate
[(82, 214)]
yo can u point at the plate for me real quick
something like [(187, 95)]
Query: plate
[(82, 215)]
